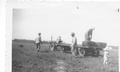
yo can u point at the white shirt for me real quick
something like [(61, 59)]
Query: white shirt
[(74, 40), (38, 40)]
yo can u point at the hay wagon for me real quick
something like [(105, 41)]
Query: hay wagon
[(87, 48)]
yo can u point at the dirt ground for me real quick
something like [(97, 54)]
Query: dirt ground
[(26, 59)]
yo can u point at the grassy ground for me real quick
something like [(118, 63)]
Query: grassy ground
[(26, 59)]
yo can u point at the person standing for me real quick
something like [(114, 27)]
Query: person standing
[(38, 42), (88, 35), (73, 44), (59, 40), (106, 55)]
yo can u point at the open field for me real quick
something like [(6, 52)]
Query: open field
[(26, 59)]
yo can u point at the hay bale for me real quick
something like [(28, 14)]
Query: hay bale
[(89, 44), (101, 44), (94, 44)]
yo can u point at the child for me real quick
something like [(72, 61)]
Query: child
[(106, 55)]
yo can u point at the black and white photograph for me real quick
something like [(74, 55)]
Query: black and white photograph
[(65, 36)]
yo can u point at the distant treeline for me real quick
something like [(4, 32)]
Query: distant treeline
[(29, 41)]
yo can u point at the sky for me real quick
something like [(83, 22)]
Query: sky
[(60, 19)]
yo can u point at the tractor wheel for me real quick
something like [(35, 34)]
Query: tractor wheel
[(81, 52)]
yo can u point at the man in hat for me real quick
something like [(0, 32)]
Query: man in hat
[(38, 42)]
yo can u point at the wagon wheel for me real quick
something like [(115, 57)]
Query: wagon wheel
[(81, 52)]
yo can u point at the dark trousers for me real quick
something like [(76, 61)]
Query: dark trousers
[(38, 46), (74, 50)]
